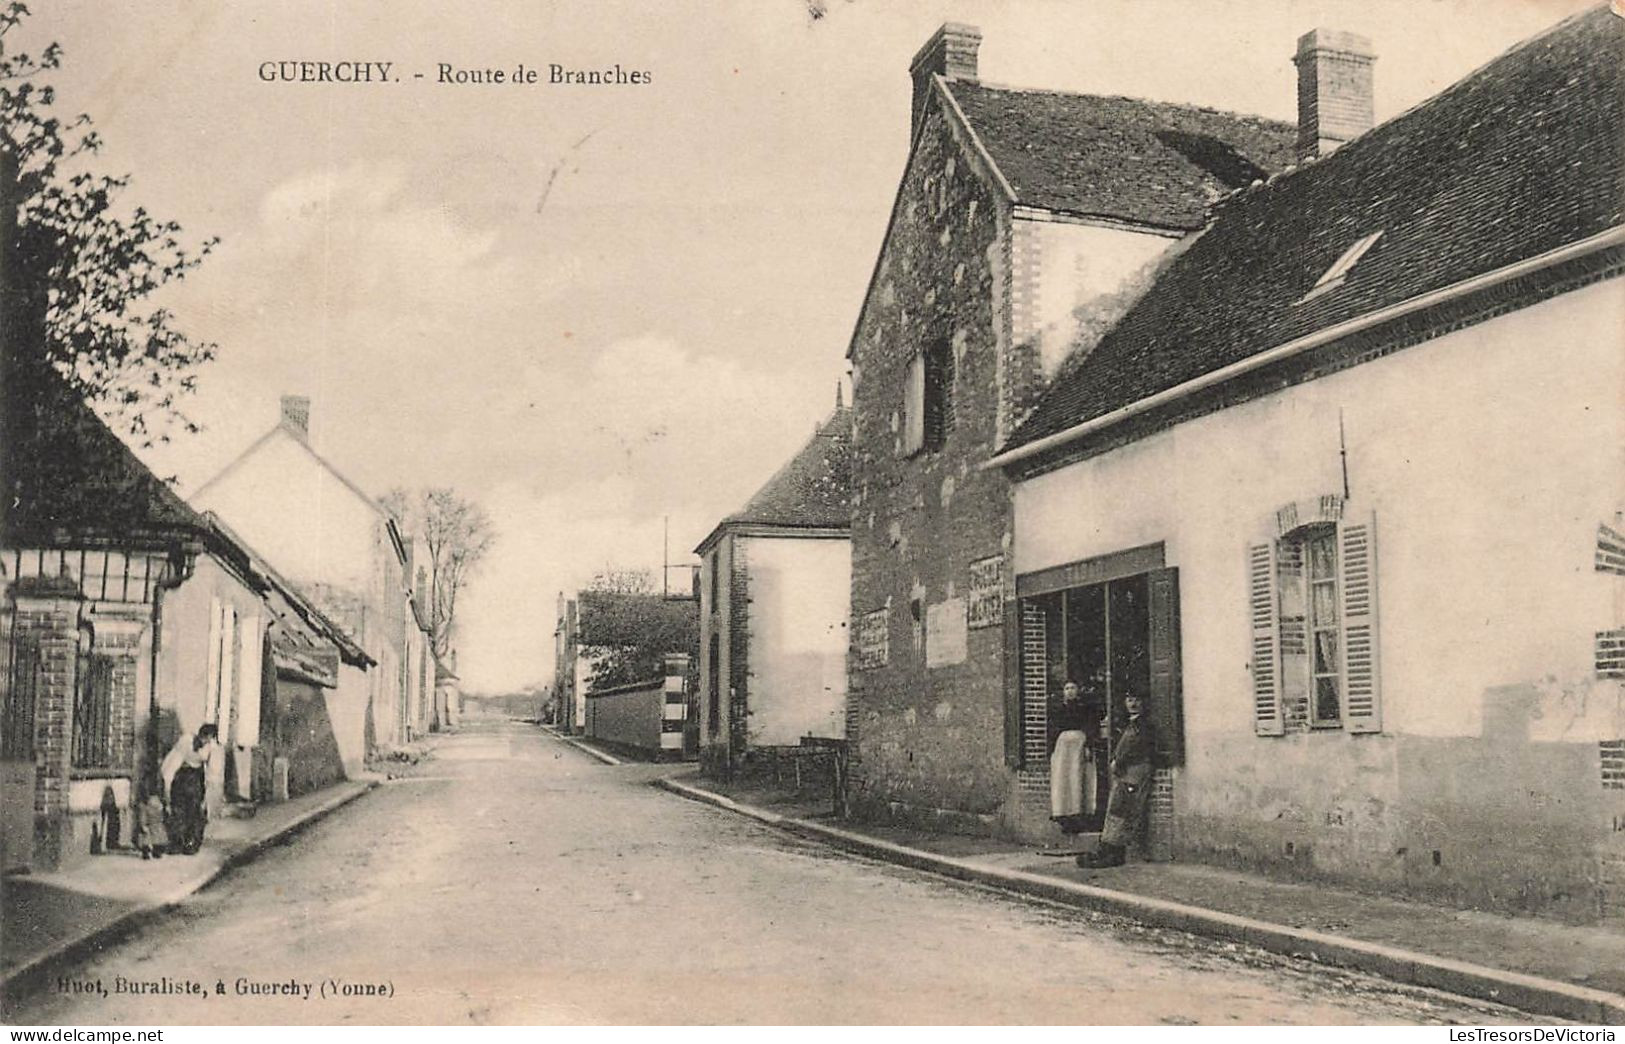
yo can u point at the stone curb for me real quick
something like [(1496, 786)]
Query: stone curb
[(1525, 992), (608, 759), (124, 924)]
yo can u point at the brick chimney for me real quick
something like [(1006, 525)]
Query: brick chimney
[(296, 415), (951, 52), (1334, 89)]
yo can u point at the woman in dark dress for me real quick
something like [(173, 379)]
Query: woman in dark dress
[(185, 774)]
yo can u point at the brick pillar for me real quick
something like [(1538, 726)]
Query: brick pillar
[(737, 692), (1023, 366), (1159, 820), (47, 617), (1033, 778)]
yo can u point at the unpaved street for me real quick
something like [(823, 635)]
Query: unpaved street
[(515, 880)]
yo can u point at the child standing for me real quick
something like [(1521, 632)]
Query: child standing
[(151, 837)]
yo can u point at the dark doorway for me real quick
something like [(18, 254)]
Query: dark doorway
[(1108, 637)]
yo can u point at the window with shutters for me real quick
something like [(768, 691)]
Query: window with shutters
[(1311, 670), (1312, 605)]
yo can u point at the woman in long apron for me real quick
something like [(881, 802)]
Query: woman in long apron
[(1070, 777)]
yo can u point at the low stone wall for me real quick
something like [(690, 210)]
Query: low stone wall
[(629, 716)]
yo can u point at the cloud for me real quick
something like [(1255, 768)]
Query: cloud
[(550, 543), (650, 429)]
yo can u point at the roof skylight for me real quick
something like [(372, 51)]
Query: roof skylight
[(1334, 276)]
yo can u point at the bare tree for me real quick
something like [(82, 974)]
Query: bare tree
[(458, 534), (622, 581)]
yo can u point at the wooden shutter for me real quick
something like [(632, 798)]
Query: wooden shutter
[(1266, 660), (249, 664), (914, 405), (228, 672), (1357, 564), (211, 695), (1167, 708)]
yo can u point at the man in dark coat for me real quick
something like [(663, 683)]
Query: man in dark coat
[(1131, 765)]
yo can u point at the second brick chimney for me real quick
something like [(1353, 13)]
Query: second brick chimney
[(1334, 89), (296, 415), (951, 53)]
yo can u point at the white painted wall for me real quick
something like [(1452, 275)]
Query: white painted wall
[(297, 513), (347, 710), (1489, 457), (185, 660), (333, 543), (1082, 270), (800, 592)]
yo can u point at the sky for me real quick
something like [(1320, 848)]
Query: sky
[(597, 311)]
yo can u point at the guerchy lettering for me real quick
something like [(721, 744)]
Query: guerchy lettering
[(302, 71)]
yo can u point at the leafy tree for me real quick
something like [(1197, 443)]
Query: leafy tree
[(78, 274), (458, 534), (628, 629)]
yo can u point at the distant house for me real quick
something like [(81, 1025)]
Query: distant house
[(607, 639), (128, 620), (334, 541), (775, 590), (571, 670), (1341, 494)]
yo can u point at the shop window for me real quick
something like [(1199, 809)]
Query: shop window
[(1114, 639), (1312, 607)]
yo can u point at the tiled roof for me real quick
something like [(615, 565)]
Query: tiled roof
[(1122, 158), (812, 491), (67, 476), (1521, 157)]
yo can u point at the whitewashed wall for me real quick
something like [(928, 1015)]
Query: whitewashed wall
[(800, 592)]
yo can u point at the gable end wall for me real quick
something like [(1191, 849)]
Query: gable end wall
[(930, 740)]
